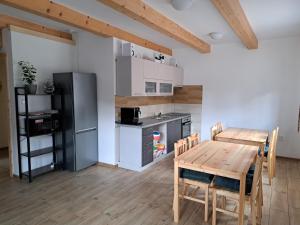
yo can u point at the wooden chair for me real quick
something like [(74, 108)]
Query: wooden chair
[(274, 152), (193, 140), (253, 195), (180, 147), (270, 155), (193, 181), (216, 129), (220, 127)]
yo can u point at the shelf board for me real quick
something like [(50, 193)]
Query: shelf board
[(35, 94), (42, 134), (40, 114), (39, 152), (40, 170), (22, 91)]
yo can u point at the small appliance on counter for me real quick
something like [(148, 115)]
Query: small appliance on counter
[(131, 116)]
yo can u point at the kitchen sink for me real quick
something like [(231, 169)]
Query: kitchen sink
[(161, 117)]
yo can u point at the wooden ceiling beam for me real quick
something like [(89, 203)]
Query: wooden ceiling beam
[(63, 14), (140, 11), (6, 21), (235, 16)]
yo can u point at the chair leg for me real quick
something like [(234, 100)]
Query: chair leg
[(206, 205), (253, 212), (270, 176), (261, 197), (214, 214), (259, 209), (269, 172)]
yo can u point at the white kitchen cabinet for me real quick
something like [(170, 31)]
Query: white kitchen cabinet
[(130, 78), (178, 77), (165, 72), (165, 88), (151, 69), (141, 77), (151, 87)]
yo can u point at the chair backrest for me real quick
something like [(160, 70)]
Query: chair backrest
[(219, 127), (193, 140), (180, 147), (216, 129), (256, 177), (272, 151), (275, 142)]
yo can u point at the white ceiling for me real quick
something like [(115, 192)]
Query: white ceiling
[(268, 18)]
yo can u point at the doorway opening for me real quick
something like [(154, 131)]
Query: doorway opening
[(5, 148)]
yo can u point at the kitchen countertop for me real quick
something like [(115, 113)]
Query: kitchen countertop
[(152, 121)]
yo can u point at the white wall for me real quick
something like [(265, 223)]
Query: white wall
[(48, 57), (249, 88), (96, 55)]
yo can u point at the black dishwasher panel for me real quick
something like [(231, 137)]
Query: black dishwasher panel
[(147, 145), (173, 134)]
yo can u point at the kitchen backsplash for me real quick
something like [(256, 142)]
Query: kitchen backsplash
[(194, 109), (151, 110)]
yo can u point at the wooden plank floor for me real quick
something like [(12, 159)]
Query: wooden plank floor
[(112, 196)]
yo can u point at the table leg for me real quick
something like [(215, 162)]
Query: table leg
[(262, 146), (262, 150), (260, 201), (242, 199), (176, 193)]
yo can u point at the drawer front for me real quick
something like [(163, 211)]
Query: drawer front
[(173, 134), (147, 153), (147, 145)]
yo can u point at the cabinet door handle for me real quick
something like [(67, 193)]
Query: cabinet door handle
[(85, 130), (299, 120)]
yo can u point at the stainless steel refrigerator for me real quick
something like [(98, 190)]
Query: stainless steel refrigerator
[(80, 118)]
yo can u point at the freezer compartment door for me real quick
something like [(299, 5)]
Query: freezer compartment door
[(86, 148), (85, 101)]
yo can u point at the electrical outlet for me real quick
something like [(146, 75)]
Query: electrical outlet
[(280, 138)]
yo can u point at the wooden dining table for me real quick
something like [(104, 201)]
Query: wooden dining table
[(218, 158), (244, 136)]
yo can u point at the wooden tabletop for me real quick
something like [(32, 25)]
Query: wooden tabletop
[(219, 158), (243, 136)]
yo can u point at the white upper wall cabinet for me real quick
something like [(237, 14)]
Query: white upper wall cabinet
[(130, 78), (178, 76), (165, 72), (141, 77), (150, 69)]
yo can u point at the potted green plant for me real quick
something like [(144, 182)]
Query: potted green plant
[(28, 76)]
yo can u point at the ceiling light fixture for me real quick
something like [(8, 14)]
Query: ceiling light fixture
[(216, 35), (181, 4)]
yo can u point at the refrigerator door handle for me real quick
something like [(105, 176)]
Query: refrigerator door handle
[(86, 130)]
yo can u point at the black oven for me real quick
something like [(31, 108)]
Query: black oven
[(186, 123)]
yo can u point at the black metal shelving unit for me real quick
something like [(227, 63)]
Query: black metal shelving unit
[(55, 132)]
